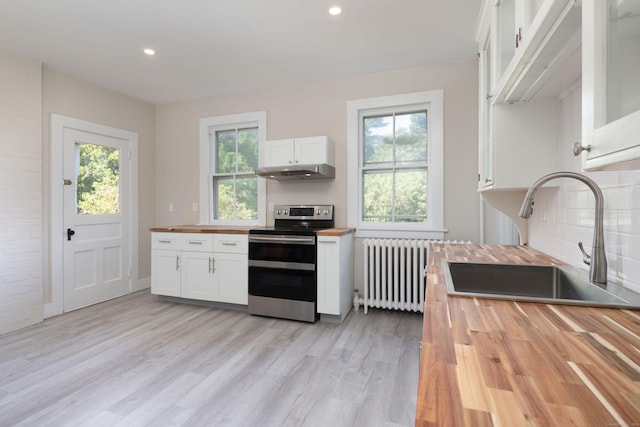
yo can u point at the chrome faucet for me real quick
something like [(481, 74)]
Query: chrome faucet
[(597, 261)]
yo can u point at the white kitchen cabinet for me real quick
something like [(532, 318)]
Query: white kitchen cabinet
[(523, 145), (532, 39), (299, 151), (518, 126), (335, 275), (197, 275), (181, 265), (231, 268), (165, 272), (611, 87), (200, 266)]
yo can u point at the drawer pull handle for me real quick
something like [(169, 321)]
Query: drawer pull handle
[(194, 242), (164, 241), (229, 244)]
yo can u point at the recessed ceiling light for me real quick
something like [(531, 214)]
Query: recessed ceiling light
[(149, 52), (335, 10)]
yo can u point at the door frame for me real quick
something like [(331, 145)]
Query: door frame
[(56, 204)]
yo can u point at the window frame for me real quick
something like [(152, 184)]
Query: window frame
[(209, 125), (433, 102)]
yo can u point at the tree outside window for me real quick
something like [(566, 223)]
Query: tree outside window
[(97, 180), (235, 186), (395, 168)]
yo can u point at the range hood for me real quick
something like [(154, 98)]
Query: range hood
[(293, 172)]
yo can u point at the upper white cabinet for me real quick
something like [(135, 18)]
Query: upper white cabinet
[(299, 151), (532, 39), (524, 45), (611, 86)]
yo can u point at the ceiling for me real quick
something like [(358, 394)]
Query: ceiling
[(215, 47)]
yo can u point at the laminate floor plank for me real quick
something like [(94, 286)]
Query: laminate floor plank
[(140, 360)]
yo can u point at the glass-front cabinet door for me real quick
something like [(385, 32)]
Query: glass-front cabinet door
[(505, 31), (611, 86)]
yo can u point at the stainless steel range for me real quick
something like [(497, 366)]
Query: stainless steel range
[(282, 262)]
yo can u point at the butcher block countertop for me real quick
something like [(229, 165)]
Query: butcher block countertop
[(227, 229), (491, 362), (336, 231), (222, 229)]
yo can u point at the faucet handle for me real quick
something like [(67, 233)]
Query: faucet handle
[(586, 258)]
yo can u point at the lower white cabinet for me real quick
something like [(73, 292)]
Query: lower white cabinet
[(209, 267), (335, 275), (165, 272), (231, 253)]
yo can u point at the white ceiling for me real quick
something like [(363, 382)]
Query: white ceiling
[(215, 47)]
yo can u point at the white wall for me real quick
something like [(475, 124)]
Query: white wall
[(564, 215), (21, 242), (320, 109)]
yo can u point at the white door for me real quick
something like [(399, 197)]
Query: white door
[(96, 211)]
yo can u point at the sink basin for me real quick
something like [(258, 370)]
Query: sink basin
[(526, 282)]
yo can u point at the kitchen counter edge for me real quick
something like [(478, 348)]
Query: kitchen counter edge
[(228, 229)]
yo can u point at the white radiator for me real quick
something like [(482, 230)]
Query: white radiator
[(394, 274)]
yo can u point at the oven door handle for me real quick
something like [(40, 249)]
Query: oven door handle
[(283, 239), (282, 265)]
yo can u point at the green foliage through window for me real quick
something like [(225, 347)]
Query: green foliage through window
[(395, 168), (98, 179), (235, 185)]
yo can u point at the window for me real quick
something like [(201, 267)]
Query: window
[(395, 159), (98, 179), (230, 192)]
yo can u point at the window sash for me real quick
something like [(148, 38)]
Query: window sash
[(432, 103), (228, 209), (254, 122)]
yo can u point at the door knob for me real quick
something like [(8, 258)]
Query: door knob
[(70, 233)]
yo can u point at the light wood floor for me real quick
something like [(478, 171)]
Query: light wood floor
[(138, 361)]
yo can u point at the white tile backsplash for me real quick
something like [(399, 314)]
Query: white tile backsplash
[(559, 234), (564, 214)]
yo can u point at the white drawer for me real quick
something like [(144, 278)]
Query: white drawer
[(200, 242), (231, 243), (166, 241)]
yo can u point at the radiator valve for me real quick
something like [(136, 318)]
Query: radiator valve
[(356, 300)]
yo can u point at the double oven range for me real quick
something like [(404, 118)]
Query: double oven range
[(283, 262)]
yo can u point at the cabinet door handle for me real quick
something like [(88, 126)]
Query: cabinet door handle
[(177, 262), (517, 45), (212, 262), (579, 148)]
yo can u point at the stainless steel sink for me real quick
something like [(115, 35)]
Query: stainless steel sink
[(538, 283)]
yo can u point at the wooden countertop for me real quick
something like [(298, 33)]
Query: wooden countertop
[(227, 229), (222, 229), (491, 362), (336, 231)]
